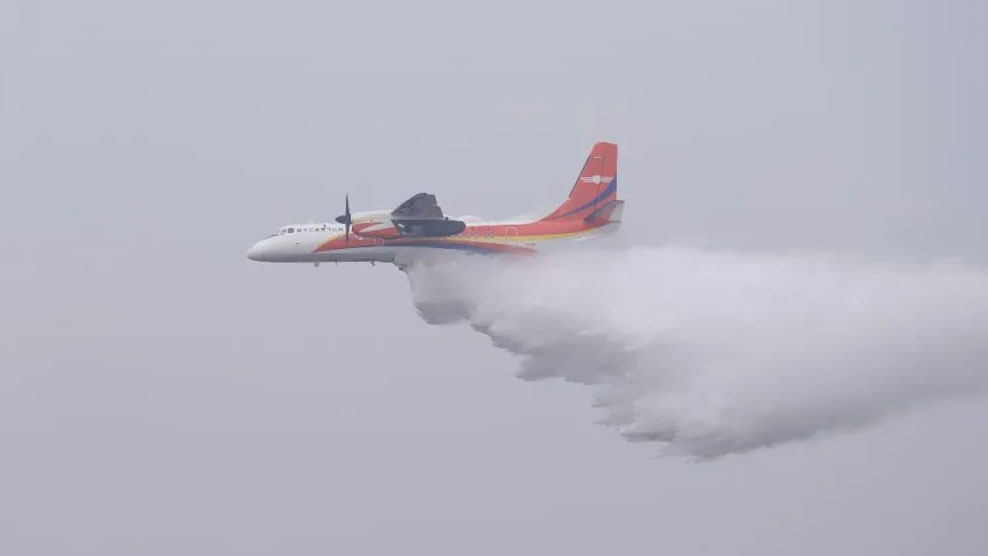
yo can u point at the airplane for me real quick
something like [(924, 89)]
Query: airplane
[(419, 227)]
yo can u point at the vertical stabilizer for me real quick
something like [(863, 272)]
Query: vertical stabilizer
[(595, 187)]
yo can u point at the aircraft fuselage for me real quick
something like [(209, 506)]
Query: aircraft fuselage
[(419, 226)]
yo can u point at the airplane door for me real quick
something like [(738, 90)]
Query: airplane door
[(510, 234)]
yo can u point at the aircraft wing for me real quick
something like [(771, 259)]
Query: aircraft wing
[(421, 216), (422, 206)]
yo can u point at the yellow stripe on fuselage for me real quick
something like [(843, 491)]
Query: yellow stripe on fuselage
[(521, 239)]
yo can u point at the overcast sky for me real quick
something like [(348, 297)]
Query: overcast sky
[(159, 393)]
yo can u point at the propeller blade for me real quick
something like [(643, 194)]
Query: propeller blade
[(349, 220)]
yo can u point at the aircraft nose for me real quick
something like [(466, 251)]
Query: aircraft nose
[(257, 252)]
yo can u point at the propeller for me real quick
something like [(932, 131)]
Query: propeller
[(346, 219)]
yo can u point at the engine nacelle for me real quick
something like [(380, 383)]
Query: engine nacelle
[(379, 230)]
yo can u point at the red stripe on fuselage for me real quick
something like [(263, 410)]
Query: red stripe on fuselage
[(478, 236)]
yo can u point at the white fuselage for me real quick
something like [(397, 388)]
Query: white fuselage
[(301, 243), (298, 244)]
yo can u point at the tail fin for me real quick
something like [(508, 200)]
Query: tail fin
[(595, 188)]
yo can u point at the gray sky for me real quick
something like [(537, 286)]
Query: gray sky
[(160, 393)]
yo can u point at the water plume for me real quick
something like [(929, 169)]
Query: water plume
[(709, 353)]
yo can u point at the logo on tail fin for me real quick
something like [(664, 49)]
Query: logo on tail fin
[(597, 179)]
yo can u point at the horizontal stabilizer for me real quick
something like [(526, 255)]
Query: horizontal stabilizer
[(610, 212)]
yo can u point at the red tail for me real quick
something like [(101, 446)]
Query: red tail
[(595, 188)]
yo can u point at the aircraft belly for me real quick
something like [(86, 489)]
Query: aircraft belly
[(375, 253)]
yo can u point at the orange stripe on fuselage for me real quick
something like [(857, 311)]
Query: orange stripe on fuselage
[(479, 235)]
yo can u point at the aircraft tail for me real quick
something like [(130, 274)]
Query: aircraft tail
[(594, 195)]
